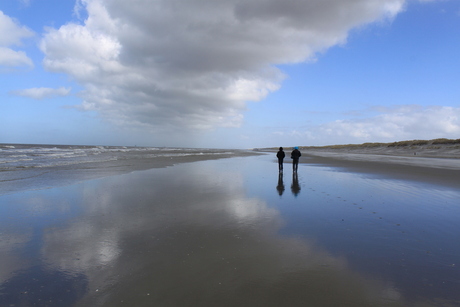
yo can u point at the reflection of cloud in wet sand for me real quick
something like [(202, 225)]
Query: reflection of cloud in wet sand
[(80, 247), (9, 245), (192, 237), (16, 231)]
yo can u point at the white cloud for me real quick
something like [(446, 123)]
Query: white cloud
[(11, 34), (398, 123), (194, 64), (42, 92), (9, 57)]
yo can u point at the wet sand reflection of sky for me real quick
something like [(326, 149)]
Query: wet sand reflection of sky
[(219, 232)]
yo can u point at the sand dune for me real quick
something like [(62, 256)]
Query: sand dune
[(439, 148)]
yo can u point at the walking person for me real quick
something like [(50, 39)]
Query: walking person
[(280, 155), (295, 155)]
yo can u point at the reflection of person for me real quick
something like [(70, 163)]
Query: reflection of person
[(295, 187), (295, 155), (280, 155), (280, 186)]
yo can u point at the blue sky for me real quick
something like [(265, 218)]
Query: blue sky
[(207, 73)]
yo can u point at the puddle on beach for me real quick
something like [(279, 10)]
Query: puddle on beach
[(232, 232)]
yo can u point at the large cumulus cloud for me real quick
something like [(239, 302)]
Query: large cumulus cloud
[(194, 64)]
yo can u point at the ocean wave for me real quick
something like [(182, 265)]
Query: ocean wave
[(21, 157), (15, 161)]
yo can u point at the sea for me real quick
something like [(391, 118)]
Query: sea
[(28, 166)]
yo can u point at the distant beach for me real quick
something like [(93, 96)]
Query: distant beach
[(436, 161)]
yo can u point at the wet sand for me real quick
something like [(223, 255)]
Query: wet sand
[(235, 232)]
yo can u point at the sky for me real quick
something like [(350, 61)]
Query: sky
[(228, 73)]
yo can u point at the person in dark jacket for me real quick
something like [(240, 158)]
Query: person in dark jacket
[(295, 155), (280, 155)]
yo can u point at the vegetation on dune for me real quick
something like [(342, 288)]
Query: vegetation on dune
[(446, 141), (399, 144), (409, 143)]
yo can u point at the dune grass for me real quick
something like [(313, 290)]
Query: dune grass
[(399, 144)]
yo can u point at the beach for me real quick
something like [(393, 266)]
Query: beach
[(433, 161), (228, 229)]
